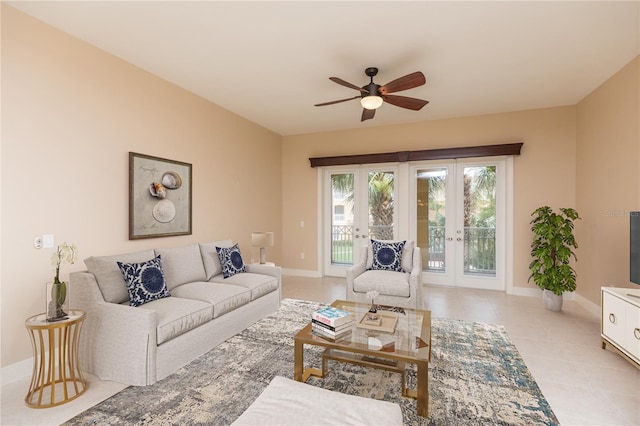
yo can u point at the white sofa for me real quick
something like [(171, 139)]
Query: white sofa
[(141, 345)]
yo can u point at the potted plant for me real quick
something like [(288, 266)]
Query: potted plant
[(551, 249), (65, 253)]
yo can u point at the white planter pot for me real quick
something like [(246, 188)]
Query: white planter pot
[(552, 301)]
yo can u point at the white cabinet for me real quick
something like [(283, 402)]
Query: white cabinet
[(621, 321)]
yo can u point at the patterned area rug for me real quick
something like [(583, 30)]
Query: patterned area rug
[(476, 377)]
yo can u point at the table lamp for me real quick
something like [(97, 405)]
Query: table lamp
[(262, 240)]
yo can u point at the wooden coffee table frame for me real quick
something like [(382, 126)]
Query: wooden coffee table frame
[(349, 350)]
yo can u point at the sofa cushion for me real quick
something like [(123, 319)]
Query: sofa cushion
[(387, 256), (287, 402), (407, 254), (386, 283), (223, 297), (259, 284), (231, 260), (176, 316), (109, 276), (210, 257), (182, 265), (145, 281)]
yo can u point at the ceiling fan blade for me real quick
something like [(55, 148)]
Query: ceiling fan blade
[(347, 84), (367, 114), (337, 102), (409, 81), (405, 102)]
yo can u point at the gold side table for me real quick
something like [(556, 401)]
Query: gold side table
[(56, 376)]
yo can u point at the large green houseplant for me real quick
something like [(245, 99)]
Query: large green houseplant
[(552, 249)]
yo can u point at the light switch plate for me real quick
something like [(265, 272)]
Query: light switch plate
[(47, 240)]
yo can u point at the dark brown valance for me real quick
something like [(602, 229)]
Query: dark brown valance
[(428, 154)]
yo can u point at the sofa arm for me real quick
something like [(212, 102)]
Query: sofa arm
[(118, 342), (274, 271), (122, 344)]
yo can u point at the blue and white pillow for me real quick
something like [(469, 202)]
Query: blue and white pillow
[(230, 260), (387, 256), (145, 281)]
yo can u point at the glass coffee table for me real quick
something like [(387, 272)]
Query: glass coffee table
[(409, 342)]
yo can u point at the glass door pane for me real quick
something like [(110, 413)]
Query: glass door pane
[(479, 207), (342, 218), (431, 203), (381, 189)]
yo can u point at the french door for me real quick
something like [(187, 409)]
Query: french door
[(360, 203), (459, 216), (456, 211)]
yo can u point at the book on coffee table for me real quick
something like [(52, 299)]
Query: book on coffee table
[(331, 316)]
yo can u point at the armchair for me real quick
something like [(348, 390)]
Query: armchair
[(403, 289)]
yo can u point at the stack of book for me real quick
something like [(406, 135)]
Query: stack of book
[(331, 323)]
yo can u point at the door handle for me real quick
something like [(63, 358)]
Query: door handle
[(458, 239)]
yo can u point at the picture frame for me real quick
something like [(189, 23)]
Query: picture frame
[(160, 192)]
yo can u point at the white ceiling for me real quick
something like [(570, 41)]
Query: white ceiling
[(270, 61)]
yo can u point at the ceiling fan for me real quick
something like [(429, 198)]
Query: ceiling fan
[(373, 95)]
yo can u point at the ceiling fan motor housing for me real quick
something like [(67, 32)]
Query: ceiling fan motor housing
[(372, 90)]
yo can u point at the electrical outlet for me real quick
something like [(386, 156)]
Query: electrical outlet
[(301, 255), (37, 242)]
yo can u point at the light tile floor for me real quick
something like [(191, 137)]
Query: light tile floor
[(584, 384)]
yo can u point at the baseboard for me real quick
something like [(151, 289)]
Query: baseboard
[(301, 273), (14, 372), (588, 305), (525, 291)]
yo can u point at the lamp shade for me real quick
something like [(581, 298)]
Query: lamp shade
[(371, 102), (262, 239)]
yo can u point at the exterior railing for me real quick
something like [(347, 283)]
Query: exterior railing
[(342, 237), (479, 250), (342, 244), (479, 247)]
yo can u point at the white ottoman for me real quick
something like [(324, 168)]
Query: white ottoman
[(287, 402)]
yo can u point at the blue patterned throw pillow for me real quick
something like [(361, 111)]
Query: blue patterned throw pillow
[(145, 281), (230, 260), (387, 256)]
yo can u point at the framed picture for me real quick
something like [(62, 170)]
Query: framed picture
[(159, 197)]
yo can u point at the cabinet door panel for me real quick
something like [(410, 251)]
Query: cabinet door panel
[(613, 317), (632, 341)]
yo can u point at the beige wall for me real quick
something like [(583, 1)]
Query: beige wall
[(608, 180), (70, 115), (543, 174)]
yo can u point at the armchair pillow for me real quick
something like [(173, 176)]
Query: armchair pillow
[(230, 260), (145, 281), (387, 256), (407, 255)]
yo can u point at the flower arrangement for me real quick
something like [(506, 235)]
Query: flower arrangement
[(65, 254)]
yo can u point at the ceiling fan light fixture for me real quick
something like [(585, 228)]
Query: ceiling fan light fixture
[(371, 102)]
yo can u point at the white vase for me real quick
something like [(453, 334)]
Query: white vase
[(552, 301)]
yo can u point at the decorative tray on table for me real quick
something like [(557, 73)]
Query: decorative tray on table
[(387, 322)]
